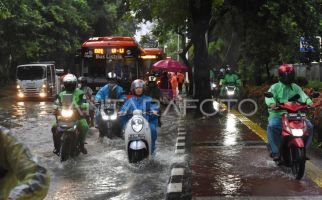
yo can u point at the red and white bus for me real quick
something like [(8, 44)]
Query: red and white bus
[(101, 55), (149, 56)]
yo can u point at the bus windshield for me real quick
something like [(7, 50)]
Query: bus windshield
[(31, 72), (124, 69)]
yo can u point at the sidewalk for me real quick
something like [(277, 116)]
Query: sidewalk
[(229, 160), (6, 91)]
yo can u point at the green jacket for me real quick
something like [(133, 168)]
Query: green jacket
[(282, 93), (21, 178), (231, 78), (79, 99)]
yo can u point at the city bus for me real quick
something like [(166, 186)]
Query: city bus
[(101, 55), (149, 56)]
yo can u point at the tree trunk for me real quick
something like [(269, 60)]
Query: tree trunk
[(188, 64), (201, 14), (268, 73)]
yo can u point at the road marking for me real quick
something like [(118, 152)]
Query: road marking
[(179, 151), (182, 133), (174, 187), (317, 197), (182, 144), (177, 171), (312, 171), (181, 138)]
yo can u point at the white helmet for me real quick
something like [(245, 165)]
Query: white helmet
[(70, 82), (138, 83)]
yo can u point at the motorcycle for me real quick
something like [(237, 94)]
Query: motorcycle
[(230, 91), (67, 127), (294, 134), (137, 136), (214, 89), (109, 123)]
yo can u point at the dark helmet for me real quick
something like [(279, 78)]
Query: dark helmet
[(286, 73), (152, 79), (229, 70), (70, 82), (82, 80), (111, 76), (137, 84)]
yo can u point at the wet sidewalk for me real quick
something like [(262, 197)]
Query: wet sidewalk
[(228, 160)]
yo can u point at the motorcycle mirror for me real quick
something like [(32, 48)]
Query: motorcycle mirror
[(315, 94), (294, 98), (268, 95)]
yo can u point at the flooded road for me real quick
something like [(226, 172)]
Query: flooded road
[(229, 161), (104, 173)]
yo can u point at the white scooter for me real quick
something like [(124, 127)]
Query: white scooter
[(137, 136)]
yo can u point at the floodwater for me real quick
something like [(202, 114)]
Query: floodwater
[(104, 173)]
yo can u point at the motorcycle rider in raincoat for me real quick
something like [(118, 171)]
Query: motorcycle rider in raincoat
[(89, 96), (21, 178), (141, 102), (80, 104), (111, 91), (153, 91), (282, 91), (230, 78)]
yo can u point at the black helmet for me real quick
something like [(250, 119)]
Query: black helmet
[(82, 80), (70, 82)]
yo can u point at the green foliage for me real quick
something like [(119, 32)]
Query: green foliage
[(32, 30), (315, 84)]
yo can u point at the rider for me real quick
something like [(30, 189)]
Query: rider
[(89, 95), (229, 78), (282, 91), (144, 103), (111, 91), (153, 91), (79, 101), (21, 177)]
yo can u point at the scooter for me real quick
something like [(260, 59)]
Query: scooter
[(67, 129), (137, 136), (294, 134), (109, 123)]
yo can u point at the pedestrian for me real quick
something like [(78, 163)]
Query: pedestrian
[(174, 85), (181, 79)]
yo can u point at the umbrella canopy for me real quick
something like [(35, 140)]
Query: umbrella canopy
[(169, 65)]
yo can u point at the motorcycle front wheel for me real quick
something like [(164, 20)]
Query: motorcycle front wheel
[(297, 158)]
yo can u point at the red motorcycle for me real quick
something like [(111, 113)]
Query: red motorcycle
[(294, 134)]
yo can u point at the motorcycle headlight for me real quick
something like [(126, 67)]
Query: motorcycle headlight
[(67, 113), (297, 132), (137, 124), (114, 116), (213, 85), (230, 92)]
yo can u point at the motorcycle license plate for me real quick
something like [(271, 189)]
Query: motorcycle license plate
[(136, 136)]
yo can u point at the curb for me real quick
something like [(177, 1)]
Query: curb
[(178, 171)]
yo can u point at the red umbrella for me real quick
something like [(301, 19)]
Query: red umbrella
[(169, 65)]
